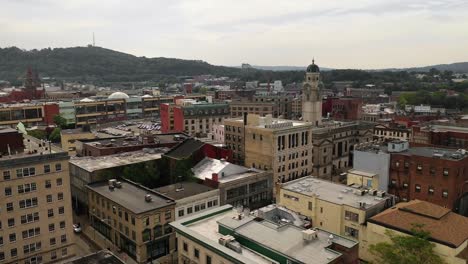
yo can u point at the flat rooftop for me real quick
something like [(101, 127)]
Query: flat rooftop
[(131, 196), (34, 148), (226, 171), (332, 192), (136, 141), (283, 239), (272, 123), (91, 164), (442, 153), (183, 190)]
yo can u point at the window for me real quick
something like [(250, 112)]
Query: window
[(9, 207), (60, 196), (61, 210), (397, 164), (351, 216), (14, 252), (417, 188), (352, 232), (310, 206), (167, 215), (53, 255), (48, 184), (59, 181), (181, 213), (133, 220), (321, 210), (430, 191), (444, 193), (6, 175), (196, 253), (185, 247), (62, 224), (1, 241), (419, 167), (52, 241), (126, 216), (50, 212), (27, 203), (446, 172), (405, 185), (64, 251), (432, 171), (11, 222), (49, 198), (31, 233), (58, 167), (2, 256), (189, 210), (46, 168), (208, 259), (12, 237), (8, 191), (51, 227), (406, 165), (63, 238)]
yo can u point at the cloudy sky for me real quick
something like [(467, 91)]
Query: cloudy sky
[(338, 33)]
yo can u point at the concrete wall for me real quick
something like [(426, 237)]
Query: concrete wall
[(378, 163)]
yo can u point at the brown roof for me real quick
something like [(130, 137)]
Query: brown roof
[(444, 226)]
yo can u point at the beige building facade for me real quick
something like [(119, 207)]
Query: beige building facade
[(36, 224), (133, 219), (68, 137), (283, 146)]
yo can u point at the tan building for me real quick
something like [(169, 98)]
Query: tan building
[(387, 133), (238, 108), (333, 207), (333, 145), (283, 146), (88, 111), (68, 138), (362, 178), (448, 230), (134, 219), (36, 223)]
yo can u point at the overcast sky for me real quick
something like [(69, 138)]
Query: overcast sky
[(338, 33)]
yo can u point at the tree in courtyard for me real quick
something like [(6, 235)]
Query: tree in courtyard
[(60, 121), (405, 249), (55, 135)]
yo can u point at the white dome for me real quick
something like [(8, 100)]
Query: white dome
[(147, 96), (86, 100), (119, 95)]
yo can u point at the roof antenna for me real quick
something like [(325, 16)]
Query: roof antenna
[(313, 60), (94, 41)]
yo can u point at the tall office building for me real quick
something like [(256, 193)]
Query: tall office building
[(35, 201)]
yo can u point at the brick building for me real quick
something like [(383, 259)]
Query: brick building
[(446, 135), (343, 108), (430, 174)]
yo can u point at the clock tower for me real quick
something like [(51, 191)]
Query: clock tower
[(311, 96)]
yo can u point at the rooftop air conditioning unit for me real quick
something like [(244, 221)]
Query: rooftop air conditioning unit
[(373, 192), (381, 194), (309, 234), (224, 240), (118, 184), (148, 198)]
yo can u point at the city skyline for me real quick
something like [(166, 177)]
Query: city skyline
[(344, 34)]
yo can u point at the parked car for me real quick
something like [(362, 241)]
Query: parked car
[(77, 228)]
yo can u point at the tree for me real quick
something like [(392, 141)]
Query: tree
[(40, 134), (55, 135), (404, 249), (60, 121)]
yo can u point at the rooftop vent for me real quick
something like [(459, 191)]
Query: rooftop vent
[(118, 184), (148, 198), (309, 234), (381, 194)]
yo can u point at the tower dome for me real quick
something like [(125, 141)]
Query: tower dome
[(118, 95), (313, 67)]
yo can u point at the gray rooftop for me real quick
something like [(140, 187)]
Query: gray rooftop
[(332, 192), (226, 171), (131, 196), (92, 164), (182, 190), (285, 240), (443, 153)]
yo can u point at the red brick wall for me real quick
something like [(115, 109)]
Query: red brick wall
[(217, 152), (165, 119), (458, 174), (50, 110), (179, 123), (14, 140)]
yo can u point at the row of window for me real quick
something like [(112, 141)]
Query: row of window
[(31, 187), (419, 168), (198, 207), (196, 253), (30, 171), (417, 188)]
